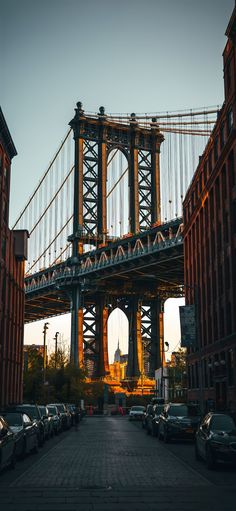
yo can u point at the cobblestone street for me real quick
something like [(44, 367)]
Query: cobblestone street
[(111, 464)]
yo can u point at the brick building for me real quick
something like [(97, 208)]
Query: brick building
[(210, 253), (13, 248)]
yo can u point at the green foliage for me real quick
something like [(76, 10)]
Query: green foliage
[(64, 381)]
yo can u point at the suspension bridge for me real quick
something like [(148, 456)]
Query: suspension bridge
[(105, 225)]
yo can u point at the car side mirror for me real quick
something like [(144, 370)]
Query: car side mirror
[(3, 432)]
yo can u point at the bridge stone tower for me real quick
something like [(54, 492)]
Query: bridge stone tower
[(95, 137)]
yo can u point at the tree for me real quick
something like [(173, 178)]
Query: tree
[(33, 375)]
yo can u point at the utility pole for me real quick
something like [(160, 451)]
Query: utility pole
[(55, 339), (45, 328)]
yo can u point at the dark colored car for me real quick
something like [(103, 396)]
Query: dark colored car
[(34, 414), (216, 439), (71, 409), (7, 445), (47, 420), (147, 416), (56, 418), (64, 414), (25, 431), (178, 420)]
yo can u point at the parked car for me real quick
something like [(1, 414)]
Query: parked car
[(136, 412), (71, 409), (56, 418), (7, 445), (154, 426), (178, 420), (64, 413), (216, 439), (25, 431), (146, 416), (34, 414), (48, 423)]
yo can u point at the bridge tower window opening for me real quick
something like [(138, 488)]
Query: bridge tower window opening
[(118, 332), (117, 194)]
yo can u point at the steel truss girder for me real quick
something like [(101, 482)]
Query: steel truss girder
[(145, 189)]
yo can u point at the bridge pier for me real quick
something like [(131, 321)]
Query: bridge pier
[(102, 338), (76, 352), (135, 343), (157, 335)]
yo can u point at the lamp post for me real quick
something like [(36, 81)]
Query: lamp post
[(45, 328), (162, 367), (55, 339)]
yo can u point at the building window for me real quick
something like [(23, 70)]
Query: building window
[(234, 216), (216, 149), (224, 183), (197, 374), (231, 168), (231, 367), (222, 135), (222, 322), (228, 77), (230, 121), (217, 189), (3, 248), (210, 162), (205, 172), (227, 273), (226, 227), (228, 319), (210, 369)]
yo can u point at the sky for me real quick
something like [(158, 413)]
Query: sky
[(127, 55)]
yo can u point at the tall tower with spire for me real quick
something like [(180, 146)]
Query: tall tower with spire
[(118, 353)]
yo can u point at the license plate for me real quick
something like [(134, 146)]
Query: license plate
[(189, 430)]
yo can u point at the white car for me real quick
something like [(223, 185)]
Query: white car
[(136, 412)]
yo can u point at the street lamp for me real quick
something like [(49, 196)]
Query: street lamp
[(55, 339), (164, 344), (45, 328)]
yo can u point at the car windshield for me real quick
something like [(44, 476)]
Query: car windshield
[(43, 410), (13, 419), (178, 411), (184, 411), (32, 411), (52, 410), (61, 408), (222, 423), (138, 408)]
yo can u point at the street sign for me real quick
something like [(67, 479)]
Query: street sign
[(188, 325)]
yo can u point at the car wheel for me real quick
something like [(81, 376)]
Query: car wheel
[(148, 430), (166, 437), (210, 460), (196, 451)]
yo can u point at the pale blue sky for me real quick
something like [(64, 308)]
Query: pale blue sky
[(128, 55)]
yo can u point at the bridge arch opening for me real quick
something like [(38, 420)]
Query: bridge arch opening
[(118, 335), (172, 333), (118, 221)]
